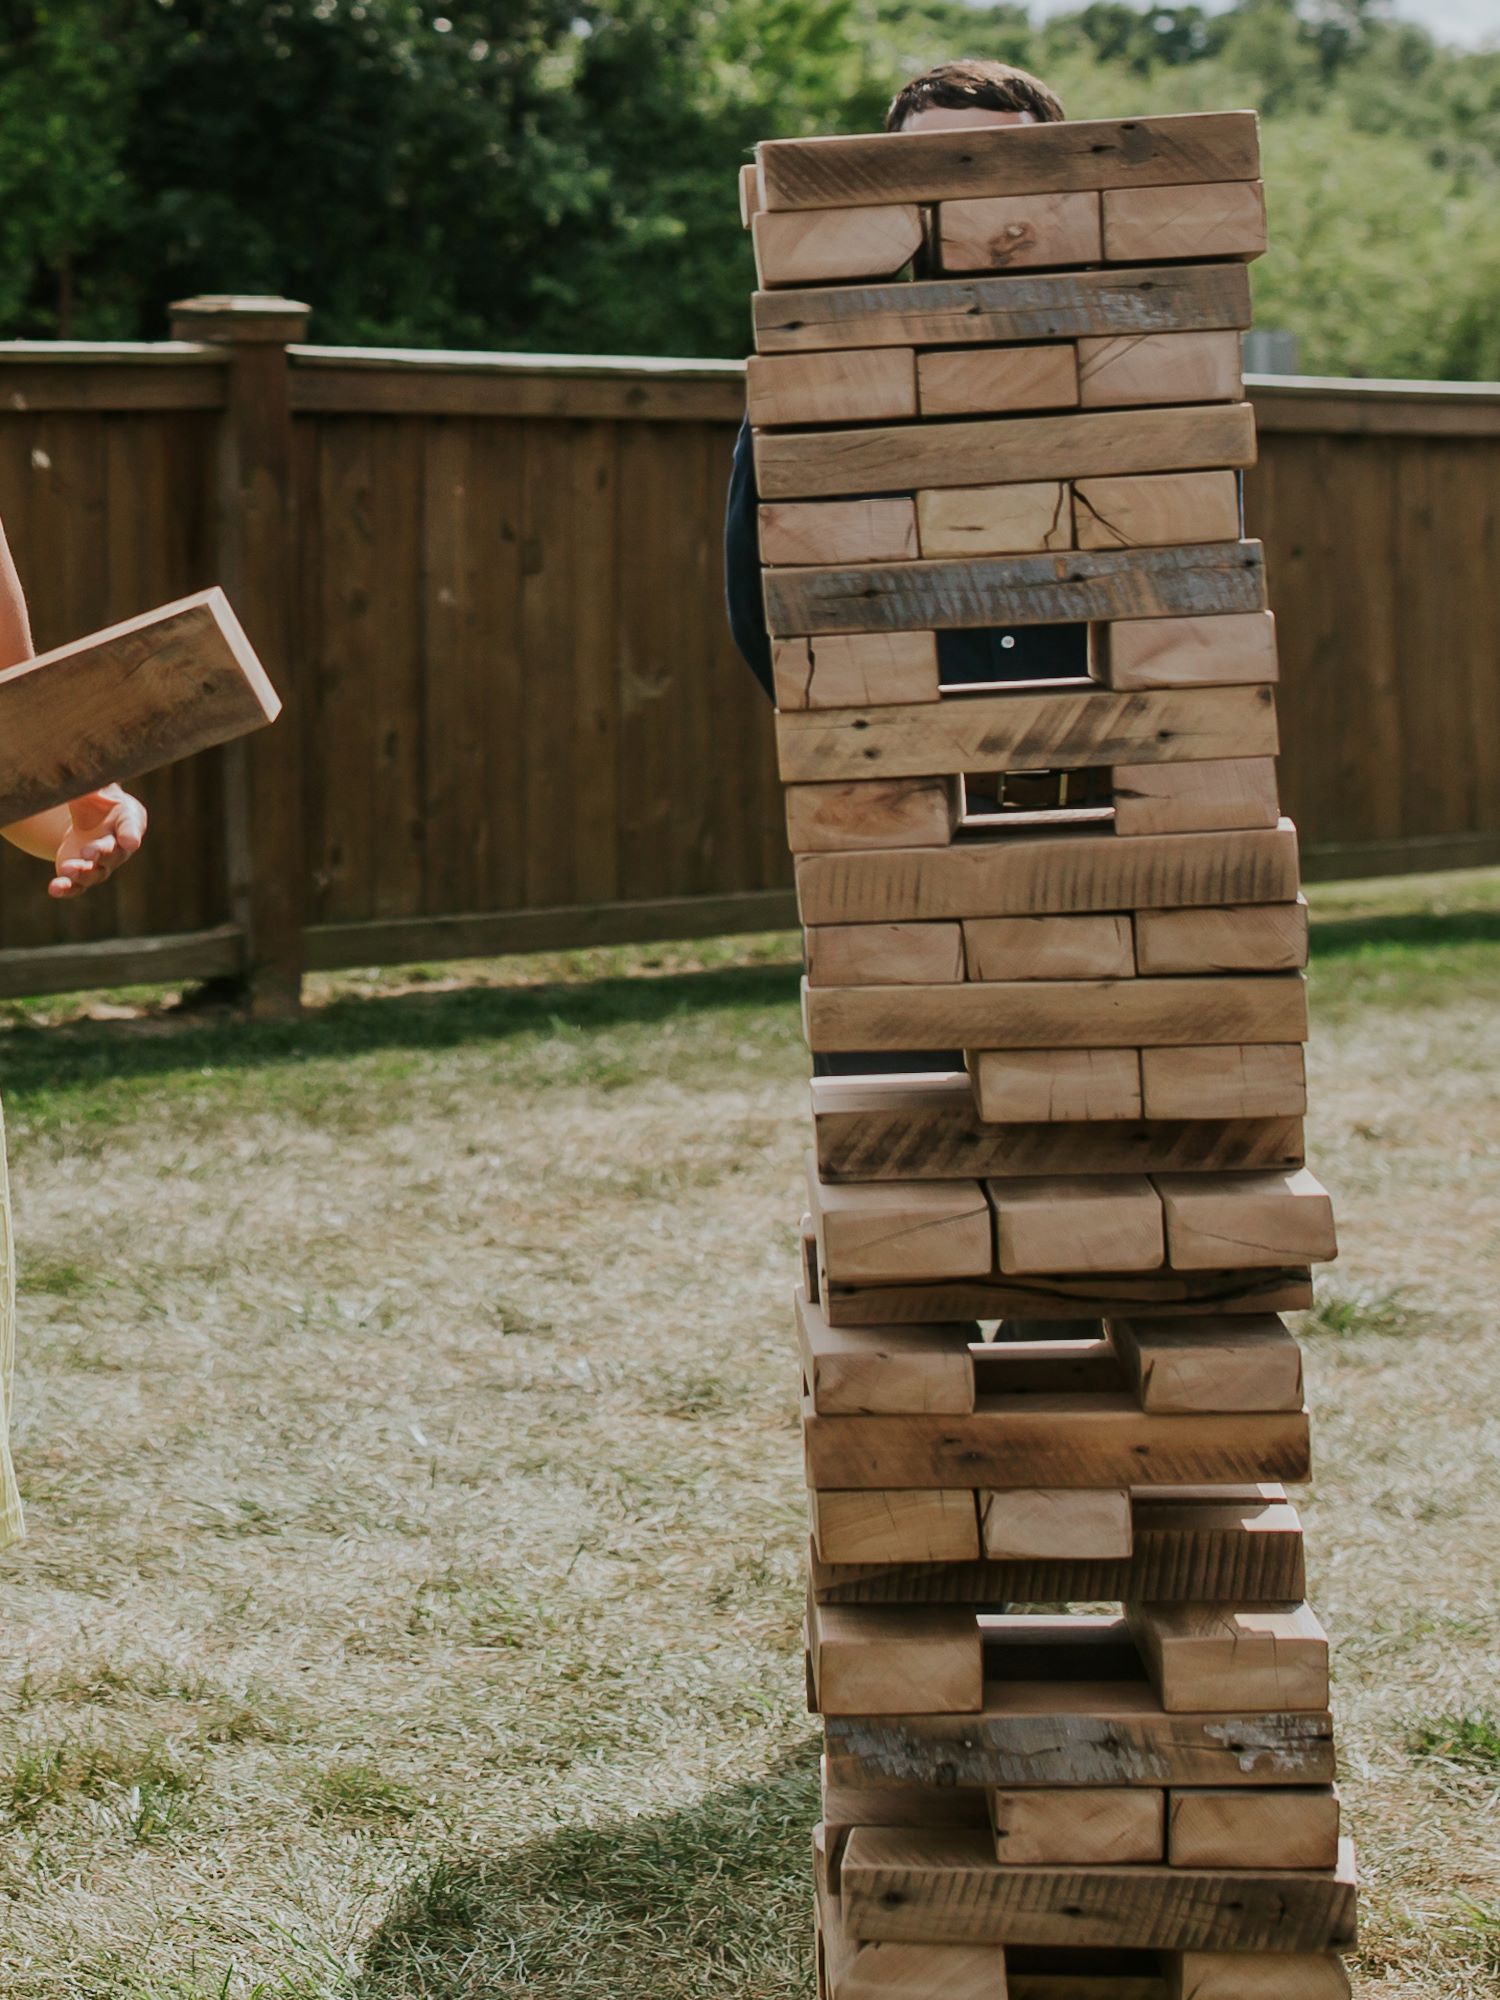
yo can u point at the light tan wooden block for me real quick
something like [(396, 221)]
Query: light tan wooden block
[(854, 1969), (1056, 1086), (749, 192), (1231, 1828), (901, 1229), (876, 812), (855, 670), (1232, 1361), (1212, 219), (887, 954), (835, 245), (1213, 796), (891, 1370), (1217, 1659), (994, 520), (1156, 509), (905, 1660), (1265, 1975), (1056, 1523), (1246, 1221), (1225, 649), (956, 381), (838, 531), (126, 700), (1124, 370), (848, 386), (1084, 1825), (1061, 1224), (1243, 937), (896, 1526), (1243, 1080), (1087, 947), (1019, 231)]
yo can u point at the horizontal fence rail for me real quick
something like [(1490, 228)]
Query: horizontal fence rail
[(490, 589)]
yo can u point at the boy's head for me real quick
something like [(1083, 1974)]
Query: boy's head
[(972, 93)]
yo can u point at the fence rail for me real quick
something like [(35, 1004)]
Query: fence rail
[(489, 588)]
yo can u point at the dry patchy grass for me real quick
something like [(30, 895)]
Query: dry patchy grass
[(406, 1423)]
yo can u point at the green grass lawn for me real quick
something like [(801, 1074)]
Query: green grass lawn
[(406, 1420)]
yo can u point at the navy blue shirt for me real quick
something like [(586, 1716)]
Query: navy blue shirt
[(1005, 653)]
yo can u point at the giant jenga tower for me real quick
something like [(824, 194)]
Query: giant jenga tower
[(1075, 1706)]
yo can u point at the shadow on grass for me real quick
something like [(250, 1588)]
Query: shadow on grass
[(89, 1053), (1339, 937), (712, 1902)]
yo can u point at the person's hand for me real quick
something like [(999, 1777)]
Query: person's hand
[(105, 828)]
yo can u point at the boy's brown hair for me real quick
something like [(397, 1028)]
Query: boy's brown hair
[(991, 86)]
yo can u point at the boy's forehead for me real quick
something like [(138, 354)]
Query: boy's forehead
[(934, 117)]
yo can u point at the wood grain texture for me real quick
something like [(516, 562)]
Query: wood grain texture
[(1050, 874), (1265, 937), (960, 381), (1206, 1658), (850, 1969), (1093, 947), (855, 670), (889, 1370), (882, 458), (953, 165), (1056, 1086), (1237, 1362), (861, 813), (938, 1526), (1198, 798), (1220, 1828), (1204, 219), (1244, 1081), (1233, 1975), (1123, 370), (1019, 232), (1058, 1524), (838, 531), (1147, 510), (1217, 651), (895, 954), (1061, 1013), (847, 386), (835, 246), (1081, 1826), (994, 520), (1073, 1441), (1061, 1223), (1077, 1297), (900, 1229), (895, 1660), (1026, 307), (1070, 730), (945, 1886), (1246, 1220)]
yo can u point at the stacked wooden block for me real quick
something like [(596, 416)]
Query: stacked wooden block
[(1043, 426)]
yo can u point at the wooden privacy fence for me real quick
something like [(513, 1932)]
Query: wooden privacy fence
[(489, 588)]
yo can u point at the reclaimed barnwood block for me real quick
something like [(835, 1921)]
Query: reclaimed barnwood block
[(1025, 307), (1206, 219), (126, 700), (1076, 728), (1079, 1296), (1227, 650), (1236, 1362), (841, 171), (1232, 1658), (1117, 371), (1020, 231), (1246, 937), (1077, 444), (963, 381), (855, 670), (1244, 1081)]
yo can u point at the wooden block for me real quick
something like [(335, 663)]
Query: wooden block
[(1123, 370), (848, 386), (1209, 219), (994, 520), (1018, 231), (126, 700), (1239, 1361), (1065, 1440), (1156, 508), (835, 245), (936, 1884), (838, 531), (953, 383), (855, 670), (898, 1805), (1232, 1975), (1239, 1081), (749, 192), (889, 1370), (1061, 1224), (1025, 307), (901, 1229), (872, 812), (1027, 159), (940, 1525), (854, 1970), (1076, 1295), (914, 1660), (1059, 1523), (1233, 649), (1056, 1086), (893, 954), (1224, 1828), (1026, 731), (1217, 793), (1243, 937), (1217, 1658), (1096, 947), (1063, 1013), (1246, 1220), (1090, 1826), (1079, 444)]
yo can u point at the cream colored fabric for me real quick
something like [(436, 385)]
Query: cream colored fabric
[(12, 1526)]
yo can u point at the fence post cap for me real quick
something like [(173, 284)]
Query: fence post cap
[(230, 316)]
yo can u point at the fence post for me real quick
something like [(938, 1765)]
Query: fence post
[(254, 550)]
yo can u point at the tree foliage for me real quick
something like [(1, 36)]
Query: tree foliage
[(560, 174)]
